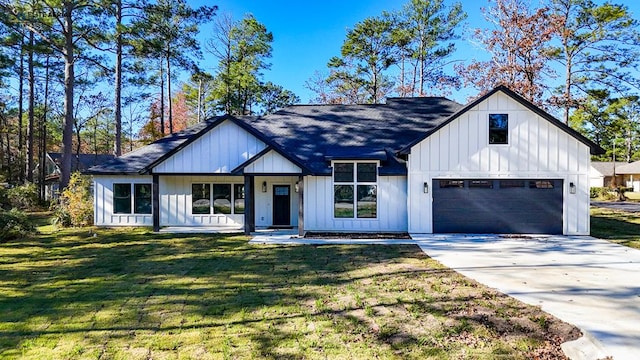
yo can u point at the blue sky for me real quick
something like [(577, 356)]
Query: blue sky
[(309, 32)]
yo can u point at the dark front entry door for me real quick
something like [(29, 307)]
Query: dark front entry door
[(281, 205)]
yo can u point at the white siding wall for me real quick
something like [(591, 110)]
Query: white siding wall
[(264, 200), (536, 149), (103, 204), (219, 151), (272, 163), (318, 206), (175, 202)]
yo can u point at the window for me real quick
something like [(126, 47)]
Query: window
[(367, 201), (504, 184), (200, 199), (122, 198), (484, 184), (451, 184), (205, 197), (142, 198), (355, 196), (238, 195), (498, 129), (343, 201), (343, 172), (541, 184), (124, 202), (221, 198), (367, 172)]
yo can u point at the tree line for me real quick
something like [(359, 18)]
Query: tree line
[(102, 76), (99, 76), (575, 58)]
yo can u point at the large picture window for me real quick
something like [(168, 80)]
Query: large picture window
[(128, 197), (217, 198), (355, 196)]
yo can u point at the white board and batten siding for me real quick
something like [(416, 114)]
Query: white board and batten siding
[(272, 163), (103, 205), (220, 150), (391, 207), (536, 149), (176, 202)]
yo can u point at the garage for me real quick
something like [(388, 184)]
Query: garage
[(491, 206)]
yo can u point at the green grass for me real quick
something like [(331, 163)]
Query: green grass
[(133, 294), (616, 226)]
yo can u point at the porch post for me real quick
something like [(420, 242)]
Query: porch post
[(249, 205), (300, 205), (155, 200)]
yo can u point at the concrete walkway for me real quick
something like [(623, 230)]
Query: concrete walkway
[(590, 283), (587, 282)]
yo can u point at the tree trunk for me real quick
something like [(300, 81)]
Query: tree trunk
[(118, 81), (30, 127), (69, 82), (199, 100), (169, 102), (161, 99), (20, 109), (43, 134)]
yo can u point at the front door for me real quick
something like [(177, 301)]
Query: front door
[(281, 205)]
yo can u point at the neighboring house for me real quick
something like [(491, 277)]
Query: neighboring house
[(601, 173), (418, 165), (630, 175), (79, 162)]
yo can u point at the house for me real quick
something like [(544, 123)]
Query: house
[(601, 173), (80, 162), (630, 173), (421, 165)]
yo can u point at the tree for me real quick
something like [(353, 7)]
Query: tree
[(65, 26), (517, 46), (274, 97), (598, 48), (425, 30), (170, 29), (369, 46), (242, 49), (608, 121)]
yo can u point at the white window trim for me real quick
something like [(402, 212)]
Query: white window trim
[(211, 209), (355, 184)]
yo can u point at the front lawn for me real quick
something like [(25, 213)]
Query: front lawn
[(133, 294), (616, 226)]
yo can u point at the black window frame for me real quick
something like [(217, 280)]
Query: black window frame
[(498, 129), (134, 199)]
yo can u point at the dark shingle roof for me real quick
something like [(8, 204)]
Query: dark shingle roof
[(142, 159), (312, 135), (82, 162), (316, 134)]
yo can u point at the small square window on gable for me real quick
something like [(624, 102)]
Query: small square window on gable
[(498, 129)]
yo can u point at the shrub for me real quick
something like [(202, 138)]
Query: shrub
[(23, 197), (75, 207), (14, 224)]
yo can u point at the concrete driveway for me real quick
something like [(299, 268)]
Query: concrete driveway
[(628, 206), (590, 283)]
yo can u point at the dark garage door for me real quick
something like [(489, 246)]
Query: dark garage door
[(497, 206)]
